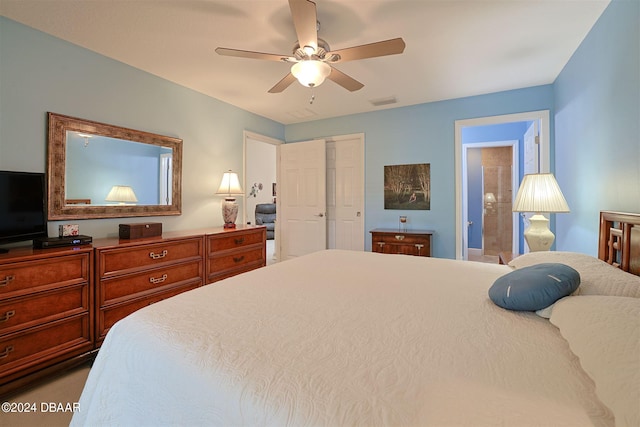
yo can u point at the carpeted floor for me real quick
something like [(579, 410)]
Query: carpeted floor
[(50, 403)]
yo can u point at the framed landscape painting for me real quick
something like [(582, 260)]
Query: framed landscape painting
[(407, 187)]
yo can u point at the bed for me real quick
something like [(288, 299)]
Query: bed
[(351, 338)]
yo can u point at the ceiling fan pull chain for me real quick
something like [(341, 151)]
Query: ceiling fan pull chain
[(313, 97)]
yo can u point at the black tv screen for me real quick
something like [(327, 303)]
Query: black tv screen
[(22, 206)]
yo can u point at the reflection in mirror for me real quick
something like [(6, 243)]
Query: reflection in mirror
[(95, 164), (89, 161)]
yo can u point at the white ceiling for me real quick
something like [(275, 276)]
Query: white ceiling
[(455, 48)]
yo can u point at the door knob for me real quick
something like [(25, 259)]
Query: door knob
[(320, 215)]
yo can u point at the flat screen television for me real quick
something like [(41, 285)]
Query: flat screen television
[(22, 206)]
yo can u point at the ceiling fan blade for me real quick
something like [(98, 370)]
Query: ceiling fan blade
[(252, 55), (283, 84), (305, 20), (349, 83), (372, 50)]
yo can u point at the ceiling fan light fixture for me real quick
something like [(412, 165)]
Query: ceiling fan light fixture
[(311, 73)]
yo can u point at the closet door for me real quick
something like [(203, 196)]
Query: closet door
[(302, 210)]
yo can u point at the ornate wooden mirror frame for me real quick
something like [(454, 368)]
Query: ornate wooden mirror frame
[(61, 208)]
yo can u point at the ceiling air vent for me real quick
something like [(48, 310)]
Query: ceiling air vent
[(383, 101)]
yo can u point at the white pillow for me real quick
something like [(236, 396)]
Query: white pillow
[(604, 332), (596, 276)]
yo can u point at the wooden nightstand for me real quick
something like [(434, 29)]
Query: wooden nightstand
[(389, 241)]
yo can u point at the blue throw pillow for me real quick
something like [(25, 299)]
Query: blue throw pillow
[(535, 287)]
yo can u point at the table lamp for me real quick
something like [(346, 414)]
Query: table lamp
[(229, 187), (539, 193)]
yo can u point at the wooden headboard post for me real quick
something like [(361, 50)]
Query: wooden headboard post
[(619, 240)]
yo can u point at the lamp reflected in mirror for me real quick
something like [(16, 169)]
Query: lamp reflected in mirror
[(122, 194)]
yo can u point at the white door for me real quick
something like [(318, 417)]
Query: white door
[(345, 193), (302, 198)]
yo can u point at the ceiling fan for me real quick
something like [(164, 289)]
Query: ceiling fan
[(312, 58)]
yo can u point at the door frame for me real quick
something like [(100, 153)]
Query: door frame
[(267, 140), (545, 156), (515, 180)]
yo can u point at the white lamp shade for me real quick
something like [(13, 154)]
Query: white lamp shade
[(311, 73), (230, 185), (539, 193), (122, 194)]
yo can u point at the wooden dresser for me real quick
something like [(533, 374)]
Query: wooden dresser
[(46, 313), (57, 305), (131, 274), (390, 241)]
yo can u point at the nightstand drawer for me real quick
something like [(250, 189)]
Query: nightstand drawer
[(414, 242)]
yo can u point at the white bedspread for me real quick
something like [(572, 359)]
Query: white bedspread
[(340, 338)]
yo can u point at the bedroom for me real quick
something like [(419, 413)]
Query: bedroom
[(593, 105)]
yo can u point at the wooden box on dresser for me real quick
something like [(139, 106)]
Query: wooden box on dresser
[(412, 242), (46, 315)]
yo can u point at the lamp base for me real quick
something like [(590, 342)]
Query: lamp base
[(229, 212), (538, 236)]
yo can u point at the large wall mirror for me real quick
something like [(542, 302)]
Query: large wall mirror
[(97, 170)]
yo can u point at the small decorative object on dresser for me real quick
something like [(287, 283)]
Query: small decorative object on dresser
[(140, 230), (414, 242)]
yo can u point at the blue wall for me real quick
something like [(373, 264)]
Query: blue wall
[(597, 103), (40, 73), (420, 134)]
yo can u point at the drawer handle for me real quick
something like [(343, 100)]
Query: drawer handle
[(156, 280), (239, 240), (7, 280), (238, 258), (163, 254), (8, 349), (381, 244), (8, 315), (399, 237), (419, 246)]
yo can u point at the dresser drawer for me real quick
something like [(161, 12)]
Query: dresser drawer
[(400, 238), (20, 313), (107, 317), (55, 340), (245, 260), (137, 258), (401, 242), (236, 239), (126, 287), (31, 276)]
